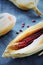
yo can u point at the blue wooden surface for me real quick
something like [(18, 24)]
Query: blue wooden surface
[(22, 16)]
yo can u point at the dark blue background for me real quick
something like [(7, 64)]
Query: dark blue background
[(22, 16)]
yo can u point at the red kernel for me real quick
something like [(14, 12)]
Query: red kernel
[(20, 30), (22, 26), (28, 26), (33, 21), (17, 32)]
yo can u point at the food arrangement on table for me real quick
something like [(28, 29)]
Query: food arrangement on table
[(27, 42)]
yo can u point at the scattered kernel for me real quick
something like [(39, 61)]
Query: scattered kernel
[(33, 21), (22, 26), (23, 23), (20, 30), (17, 32), (28, 26)]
